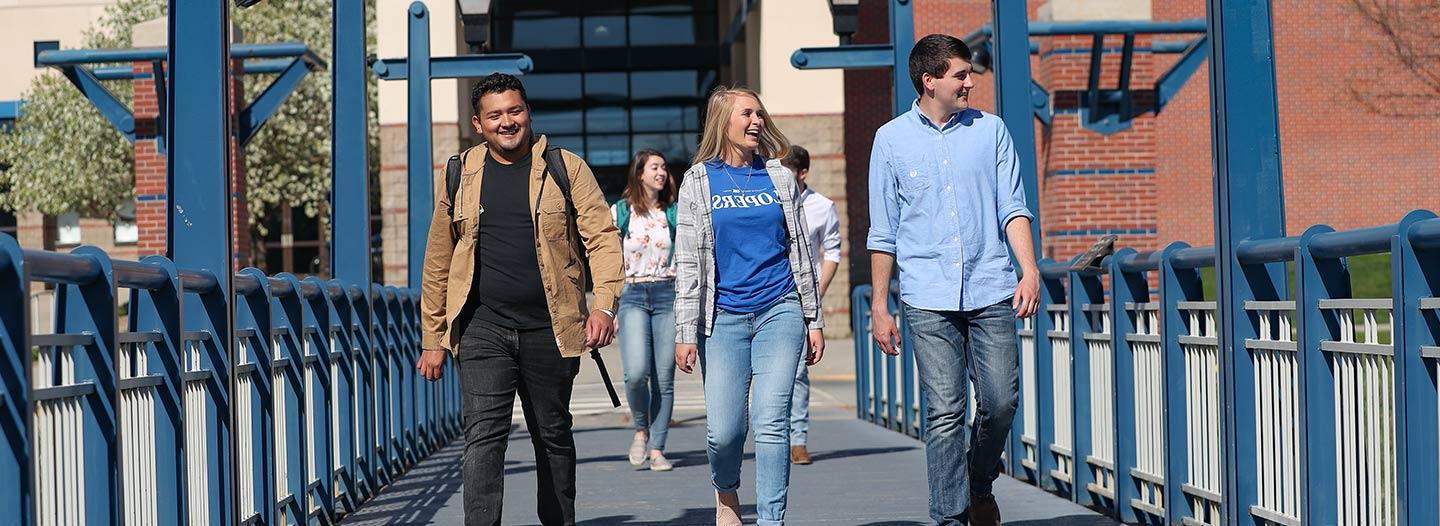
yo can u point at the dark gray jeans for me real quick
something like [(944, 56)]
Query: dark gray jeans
[(495, 363), (952, 349)]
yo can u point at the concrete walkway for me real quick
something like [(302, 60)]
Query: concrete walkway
[(862, 475)]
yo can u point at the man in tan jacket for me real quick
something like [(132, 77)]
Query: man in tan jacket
[(504, 294)]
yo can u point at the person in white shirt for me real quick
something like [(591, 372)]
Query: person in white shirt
[(823, 223)]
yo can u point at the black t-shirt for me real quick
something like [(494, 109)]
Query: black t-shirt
[(508, 289)]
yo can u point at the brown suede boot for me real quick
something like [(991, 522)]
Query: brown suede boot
[(984, 511), (727, 509), (799, 455)]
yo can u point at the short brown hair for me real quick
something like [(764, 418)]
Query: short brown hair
[(932, 55)]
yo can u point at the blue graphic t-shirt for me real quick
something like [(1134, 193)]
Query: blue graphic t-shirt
[(752, 270)]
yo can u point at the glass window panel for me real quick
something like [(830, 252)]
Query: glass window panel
[(605, 31), (552, 87), (678, 148), (564, 122), (67, 226), (658, 119), (662, 30), (667, 6), (663, 84), (545, 33), (574, 143), (610, 87), (692, 117), (608, 150), (606, 119)]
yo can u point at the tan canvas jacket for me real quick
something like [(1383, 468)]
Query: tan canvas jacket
[(450, 251)]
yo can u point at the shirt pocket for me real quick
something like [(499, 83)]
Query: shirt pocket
[(913, 176)]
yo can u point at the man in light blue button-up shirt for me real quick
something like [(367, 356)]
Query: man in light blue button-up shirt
[(945, 199)]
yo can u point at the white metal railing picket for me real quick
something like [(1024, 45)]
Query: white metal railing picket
[(1363, 365), (1149, 404), (244, 398), (1277, 412), (1030, 433), (196, 443), (1202, 410), (1064, 446), (137, 455), (58, 421), (1102, 400)]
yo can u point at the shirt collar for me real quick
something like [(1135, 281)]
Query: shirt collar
[(925, 121)]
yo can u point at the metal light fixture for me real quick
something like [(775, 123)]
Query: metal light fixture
[(845, 16), (475, 17), (981, 58)]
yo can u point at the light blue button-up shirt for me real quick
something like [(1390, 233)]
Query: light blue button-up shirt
[(939, 201)]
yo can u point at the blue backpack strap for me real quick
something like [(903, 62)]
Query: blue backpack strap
[(670, 213)]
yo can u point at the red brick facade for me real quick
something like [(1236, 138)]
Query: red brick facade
[(151, 197)]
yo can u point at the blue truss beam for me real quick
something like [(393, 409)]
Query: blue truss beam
[(254, 116), (854, 56), (10, 109), (76, 57), (109, 106), (262, 67), (464, 66), (1170, 83)]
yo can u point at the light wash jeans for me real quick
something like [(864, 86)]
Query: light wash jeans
[(647, 348), (752, 355), (800, 399), (952, 350)]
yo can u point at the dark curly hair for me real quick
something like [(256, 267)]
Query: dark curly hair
[(495, 83)]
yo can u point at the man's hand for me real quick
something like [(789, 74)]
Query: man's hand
[(882, 326), (816, 347), (599, 329), (685, 356), (1027, 295), (432, 364)]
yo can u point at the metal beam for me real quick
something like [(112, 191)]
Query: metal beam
[(109, 106), (75, 57), (419, 163), (198, 180), (902, 37), (1249, 204), (1016, 95), (350, 217), (262, 67), (854, 56), (460, 67), (1172, 81), (264, 106)]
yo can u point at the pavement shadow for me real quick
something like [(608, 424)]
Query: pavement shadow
[(690, 517), (419, 496)]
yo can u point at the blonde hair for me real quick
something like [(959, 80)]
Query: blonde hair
[(714, 142)]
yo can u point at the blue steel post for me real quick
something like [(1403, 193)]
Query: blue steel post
[(198, 220), (1052, 292), (14, 382), (1249, 204), (1129, 291), (1012, 99), (1087, 293), (341, 354), (288, 390), (88, 308), (1317, 279), (1176, 285), (1416, 272), (319, 396), (350, 180), (902, 39), (256, 360), (421, 200)]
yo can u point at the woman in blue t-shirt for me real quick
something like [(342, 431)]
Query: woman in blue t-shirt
[(745, 295)]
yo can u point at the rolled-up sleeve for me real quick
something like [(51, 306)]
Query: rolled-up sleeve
[(1009, 189), (884, 208), (832, 235)]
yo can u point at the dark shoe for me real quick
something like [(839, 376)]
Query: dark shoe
[(798, 455), (984, 511)]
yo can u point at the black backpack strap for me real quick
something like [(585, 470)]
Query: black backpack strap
[(452, 180)]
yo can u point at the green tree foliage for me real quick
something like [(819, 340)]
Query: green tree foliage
[(64, 156)]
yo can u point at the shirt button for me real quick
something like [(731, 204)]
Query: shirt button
[(952, 213), (946, 161), (947, 188)]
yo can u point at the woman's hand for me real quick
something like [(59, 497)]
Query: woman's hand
[(685, 355), (816, 347)]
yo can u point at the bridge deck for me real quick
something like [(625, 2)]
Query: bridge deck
[(862, 474)]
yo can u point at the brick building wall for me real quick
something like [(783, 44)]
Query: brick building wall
[(823, 136), (447, 140)]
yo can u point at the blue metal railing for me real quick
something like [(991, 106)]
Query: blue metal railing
[(313, 408), (1133, 402)]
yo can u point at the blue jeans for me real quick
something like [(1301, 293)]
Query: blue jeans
[(952, 349), (800, 400), (752, 355), (647, 347)]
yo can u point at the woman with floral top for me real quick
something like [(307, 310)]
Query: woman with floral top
[(646, 217)]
